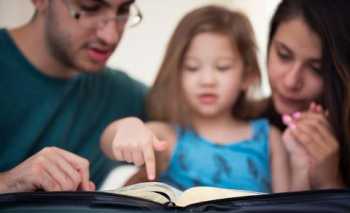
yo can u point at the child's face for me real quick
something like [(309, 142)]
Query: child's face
[(294, 67), (212, 75)]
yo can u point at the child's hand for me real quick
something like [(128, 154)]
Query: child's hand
[(135, 143), (314, 145)]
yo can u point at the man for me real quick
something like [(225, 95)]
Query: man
[(57, 95)]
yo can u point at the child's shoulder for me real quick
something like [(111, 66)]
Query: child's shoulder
[(273, 133), (259, 120), (263, 123), (260, 123)]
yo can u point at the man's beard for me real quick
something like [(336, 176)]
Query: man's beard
[(58, 44)]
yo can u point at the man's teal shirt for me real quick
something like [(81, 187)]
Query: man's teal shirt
[(37, 111)]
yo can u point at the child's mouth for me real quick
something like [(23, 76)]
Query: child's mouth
[(207, 98)]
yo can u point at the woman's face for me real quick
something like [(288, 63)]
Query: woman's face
[(294, 67)]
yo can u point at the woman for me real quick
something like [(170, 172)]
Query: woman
[(308, 68)]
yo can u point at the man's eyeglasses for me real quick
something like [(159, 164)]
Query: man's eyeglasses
[(94, 14)]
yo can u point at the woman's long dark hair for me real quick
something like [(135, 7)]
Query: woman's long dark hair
[(330, 20)]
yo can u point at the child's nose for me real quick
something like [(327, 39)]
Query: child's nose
[(207, 77)]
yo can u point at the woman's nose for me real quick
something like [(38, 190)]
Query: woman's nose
[(293, 78)]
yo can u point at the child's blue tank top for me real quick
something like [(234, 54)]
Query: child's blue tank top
[(238, 165)]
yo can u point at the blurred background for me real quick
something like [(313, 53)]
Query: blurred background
[(141, 50)]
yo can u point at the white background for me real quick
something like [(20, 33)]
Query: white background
[(141, 50)]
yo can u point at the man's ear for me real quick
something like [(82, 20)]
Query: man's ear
[(40, 5), (250, 78)]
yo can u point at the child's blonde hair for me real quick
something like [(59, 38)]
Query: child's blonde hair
[(166, 100)]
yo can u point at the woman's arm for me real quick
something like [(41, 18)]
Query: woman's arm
[(280, 170), (299, 163)]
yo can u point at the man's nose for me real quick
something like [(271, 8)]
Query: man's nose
[(110, 32)]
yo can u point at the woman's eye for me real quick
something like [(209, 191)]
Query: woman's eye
[(316, 69), (283, 56)]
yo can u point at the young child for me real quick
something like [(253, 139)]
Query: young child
[(200, 106)]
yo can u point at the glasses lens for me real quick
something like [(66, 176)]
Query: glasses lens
[(134, 17), (96, 15)]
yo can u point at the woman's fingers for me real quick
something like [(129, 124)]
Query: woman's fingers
[(317, 128), (310, 138)]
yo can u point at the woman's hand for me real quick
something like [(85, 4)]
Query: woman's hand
[(299, 162), (313, 148)]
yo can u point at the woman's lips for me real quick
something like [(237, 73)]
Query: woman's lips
[(100, 56), (298, 104), (287, 100), (207, 98)]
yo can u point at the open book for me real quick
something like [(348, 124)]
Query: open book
[(165, 194)]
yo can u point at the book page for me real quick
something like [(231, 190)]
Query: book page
[(147, 195), (203, 193), (150, 191)]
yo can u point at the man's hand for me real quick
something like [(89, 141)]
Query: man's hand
[(51, 169)]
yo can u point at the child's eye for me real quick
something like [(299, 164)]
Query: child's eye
[(223, 68), (190, 68)]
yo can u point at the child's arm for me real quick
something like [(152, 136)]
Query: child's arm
[(279, 162), (131, 140)]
